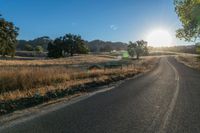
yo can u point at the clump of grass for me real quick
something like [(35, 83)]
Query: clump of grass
[(32, 77), (190, 61)]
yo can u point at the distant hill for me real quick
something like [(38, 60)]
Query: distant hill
[(105, 46), (94, 46), (101, 46), (181, 49), (41, 41)]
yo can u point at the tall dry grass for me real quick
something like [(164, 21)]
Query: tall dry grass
[(21, 82), (76, 60), (31, 77), (189, 60)]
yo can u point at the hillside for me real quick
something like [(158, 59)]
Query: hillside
[(180, 49), (105, 46), (94, 46)]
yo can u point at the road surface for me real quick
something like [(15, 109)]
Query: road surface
[(166, 100)]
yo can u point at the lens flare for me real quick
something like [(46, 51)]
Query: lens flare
[(159, 38)]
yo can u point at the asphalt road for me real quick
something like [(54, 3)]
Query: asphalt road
[(166, 100)]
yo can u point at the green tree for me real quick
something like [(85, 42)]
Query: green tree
[(54, 49), (39, 49), (137, 48), (189, 14), (28, 47), (82, 48), (74, 44), (67, 45), (131, 49), (8, 35)]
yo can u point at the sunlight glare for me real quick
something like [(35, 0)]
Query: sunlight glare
[(159, 38)]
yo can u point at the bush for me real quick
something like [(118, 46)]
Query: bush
[(39, 49)]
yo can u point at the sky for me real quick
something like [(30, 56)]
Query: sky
[(109, 20)]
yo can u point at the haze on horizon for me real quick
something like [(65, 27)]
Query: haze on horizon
[(109, 20)]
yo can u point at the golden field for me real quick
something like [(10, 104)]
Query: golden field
[(21, 79)]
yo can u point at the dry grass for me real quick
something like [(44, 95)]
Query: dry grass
[(25, 81), (77, 60), (192, 61)]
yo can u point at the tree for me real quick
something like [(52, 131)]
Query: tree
[(82, 48), (28, 47), (54, 50), (67, 45), (189, 14), (8, 35), (131, 49), (138, 48), (70, 43), (39, 49), (74, 44)]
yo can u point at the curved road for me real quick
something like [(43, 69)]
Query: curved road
[(166, 100)]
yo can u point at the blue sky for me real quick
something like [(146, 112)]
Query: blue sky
[(111, 20)]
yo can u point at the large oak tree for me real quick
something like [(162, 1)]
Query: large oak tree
[(8, 37), (67, 45), (138, 48)]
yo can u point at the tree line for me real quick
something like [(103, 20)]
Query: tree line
[(38, 44), (94, 46), (188, 12), (67, 45)]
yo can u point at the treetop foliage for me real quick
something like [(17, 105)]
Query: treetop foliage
[(189, 14), (138, 48), (67, 45), (8, 35)]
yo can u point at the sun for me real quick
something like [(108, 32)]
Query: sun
[(159, 38)]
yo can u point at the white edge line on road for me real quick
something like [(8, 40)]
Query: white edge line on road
[(172, 104)]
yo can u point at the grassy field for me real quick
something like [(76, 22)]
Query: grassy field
[(29, 82), (192, 61), (76, 60)]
